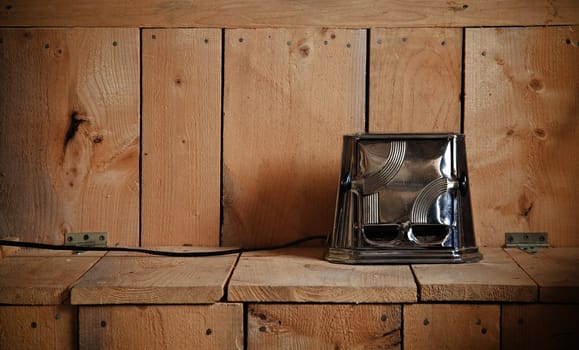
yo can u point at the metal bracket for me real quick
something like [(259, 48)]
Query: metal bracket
[(86, 239), (529, 242)]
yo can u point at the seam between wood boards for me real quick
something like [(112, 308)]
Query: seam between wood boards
[(417, 284), (225, 295), (367, 82), (140, 137), (222, 116), (526, 273), (71, 287), (461, 117)]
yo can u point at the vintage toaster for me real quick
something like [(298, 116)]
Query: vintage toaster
[(403, 198)]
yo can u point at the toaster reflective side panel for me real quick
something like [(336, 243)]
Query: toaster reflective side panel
[(403, 198)]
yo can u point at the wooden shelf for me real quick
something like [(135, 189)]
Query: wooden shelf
[(555, 270), (495, 278), (301, 275), (288, 297), (291, 275), (40, 280), (127, 278)]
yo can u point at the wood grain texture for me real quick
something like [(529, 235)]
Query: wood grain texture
[(217, 326), (40, 280), (154, 280), (496, 278), (415, 80), (555, 270), (286, 326), (69, 133), (30, 252), (8, 250), (267, 13), (521, 110), (540, 327), (38, 327), (456, 326), (181, 136), (290, 95), (301, 275)]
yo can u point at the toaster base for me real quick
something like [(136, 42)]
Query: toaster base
[(402, 256)]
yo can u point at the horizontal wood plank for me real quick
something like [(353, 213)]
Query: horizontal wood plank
[(287, 326), (496, 278), (154, 280), (540, 327), (38, 327), (520, 121), (444, 326), (266, 13), (51, 253), (217, 326), (301, 275), (40, 280), (555, 270)]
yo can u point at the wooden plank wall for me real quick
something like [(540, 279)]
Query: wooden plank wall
[(415, 80), (240, 128), (521, 121), (69, 133), (181, 131), (289, 96)]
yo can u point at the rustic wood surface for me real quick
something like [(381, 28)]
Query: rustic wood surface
[(540, 327), (177, 249), (29, 252), (451, 326), (38, 327), (217, 326), (69, 133), (40, 280), (287, 326), (289, 96), (264, 13), (556, 271), (301, 275), (496, 278), (181, 136), (521, 129), (7, 250), (154, 280), (415, 80)]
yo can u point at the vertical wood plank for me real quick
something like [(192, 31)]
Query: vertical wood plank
[(337, 326), (181, 136), (216, 326), (38, 327), (445, 326), (290, 95), (521, 113), (69, 133), (548, 327), (415, 79)]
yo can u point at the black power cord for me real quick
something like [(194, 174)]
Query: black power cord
[(156, 252)]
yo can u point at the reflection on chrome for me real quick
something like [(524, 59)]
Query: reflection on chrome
[(403, 199)]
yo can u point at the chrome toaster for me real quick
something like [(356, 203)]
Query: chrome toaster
[(403, 198)]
